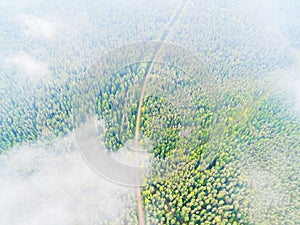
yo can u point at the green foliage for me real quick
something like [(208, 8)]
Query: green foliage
[(255, 129)]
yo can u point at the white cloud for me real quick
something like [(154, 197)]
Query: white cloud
[(38, 27), (54, 186), (29, 65), (289, 79)]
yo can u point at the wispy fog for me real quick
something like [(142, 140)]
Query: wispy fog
[(28, 66), (288, 80), (37, 27), (54, 186)]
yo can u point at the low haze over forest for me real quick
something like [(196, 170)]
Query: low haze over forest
[(209, 89)]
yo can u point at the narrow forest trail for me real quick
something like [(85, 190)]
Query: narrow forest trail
[(163, 37)]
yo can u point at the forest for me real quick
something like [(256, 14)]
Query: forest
[(225, 150)]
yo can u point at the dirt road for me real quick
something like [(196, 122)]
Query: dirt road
[(164, 36)]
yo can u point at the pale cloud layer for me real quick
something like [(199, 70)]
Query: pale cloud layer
[(289, 79), (53, 186), (28, 65), (37, 27)]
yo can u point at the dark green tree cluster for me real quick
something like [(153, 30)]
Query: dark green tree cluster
[(160, 123), (117, 105)]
